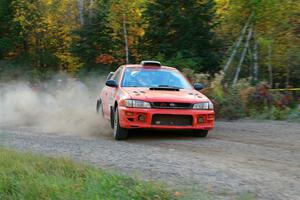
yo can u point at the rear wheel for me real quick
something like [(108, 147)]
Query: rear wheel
[(112, 115), (200, 133), (99, 107), (119, 132)]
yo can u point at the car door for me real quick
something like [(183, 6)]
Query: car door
[(104, 95), (111, 92)]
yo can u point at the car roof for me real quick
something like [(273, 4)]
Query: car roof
[(141, 66)]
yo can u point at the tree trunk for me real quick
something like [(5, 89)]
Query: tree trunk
[(288, 75), (25, 46), (255, 60), (91, 8), (80, 11), (250, 55), (270, 68), (238, 43), (126, 39), (238, 69)]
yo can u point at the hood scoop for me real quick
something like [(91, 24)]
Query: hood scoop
[(136, 93), (196, 95), (164, 88)]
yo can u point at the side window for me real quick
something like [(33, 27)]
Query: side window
[(117, 75), (109, 75)]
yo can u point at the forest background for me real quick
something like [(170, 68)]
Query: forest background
[(240, 49)]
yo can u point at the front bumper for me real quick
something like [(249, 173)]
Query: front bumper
[(130, 118)]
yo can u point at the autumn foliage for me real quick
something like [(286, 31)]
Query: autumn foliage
[(202, 35), (104, 59)]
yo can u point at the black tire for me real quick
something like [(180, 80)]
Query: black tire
[(112, 113), (118, 132), (98, 106), (200, 133)]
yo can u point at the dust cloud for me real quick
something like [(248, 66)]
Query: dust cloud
[(62, 105)]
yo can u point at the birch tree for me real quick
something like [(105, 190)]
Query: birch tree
[(272, 21), (255, 59), (125, 20), (270, 68), (238, 69), (125, 39), (237, 44)]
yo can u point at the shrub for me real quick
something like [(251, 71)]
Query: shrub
[(260, 98), (229, 101), (231, 107), (294, 115), (279, 113), (267, 105)]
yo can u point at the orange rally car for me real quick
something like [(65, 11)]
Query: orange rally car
[(151, 96)]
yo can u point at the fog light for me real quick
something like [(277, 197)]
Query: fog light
[(129, 113), (141, 118), (200, 120), (211, 117)]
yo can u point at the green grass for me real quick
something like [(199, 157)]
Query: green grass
[(28, 176)]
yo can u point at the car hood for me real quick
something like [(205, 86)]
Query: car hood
[(183, 95)]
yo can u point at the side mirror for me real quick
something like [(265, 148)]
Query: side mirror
[(111, 83), (198, 86)]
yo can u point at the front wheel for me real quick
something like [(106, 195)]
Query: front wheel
[(200, 133), (119, 132)]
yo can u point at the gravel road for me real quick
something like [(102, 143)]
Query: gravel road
[(260, 157)]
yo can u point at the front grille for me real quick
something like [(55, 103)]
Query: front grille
[(172, 120), (167, 105)]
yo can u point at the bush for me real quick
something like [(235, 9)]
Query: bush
[(279, 113), (229, 101), (273, 113), (294, 115), (231, 107), (244, 100), (266, 105)]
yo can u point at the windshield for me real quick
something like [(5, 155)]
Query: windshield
[(143, 77)]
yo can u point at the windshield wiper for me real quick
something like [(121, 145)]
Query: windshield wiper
[(168, 86)]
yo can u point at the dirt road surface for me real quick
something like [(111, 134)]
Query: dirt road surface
[(239, 157)]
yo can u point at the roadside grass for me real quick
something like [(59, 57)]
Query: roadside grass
[(28, 176), (247, 196)]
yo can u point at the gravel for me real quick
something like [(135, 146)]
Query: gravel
[(257, 157)]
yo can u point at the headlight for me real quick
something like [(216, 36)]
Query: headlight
[(137, 104), (203, 106)]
